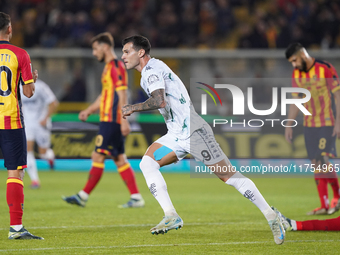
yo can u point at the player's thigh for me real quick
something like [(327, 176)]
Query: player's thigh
[(43, 137), (311, 135), (14, 148), (204, 147), (98, 157), (166, 150), (320, 142), (120, 159), (327, 142), (30, 145), (162, 154)]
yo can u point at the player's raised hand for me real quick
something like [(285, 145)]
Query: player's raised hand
[(127, 110), (35, 75), (289, 134), (83, 115)]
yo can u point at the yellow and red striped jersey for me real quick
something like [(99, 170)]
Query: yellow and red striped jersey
[(15, 68), (321, 80), (114, 78)]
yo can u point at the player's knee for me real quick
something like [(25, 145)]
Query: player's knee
[(120, 159), (143, 163), (148, 164)]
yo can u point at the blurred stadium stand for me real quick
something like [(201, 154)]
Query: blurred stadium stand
[(60, 69), (196, 38), (177, 23)]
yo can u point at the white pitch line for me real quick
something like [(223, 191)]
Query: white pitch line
[(159, 245), (139, 225)]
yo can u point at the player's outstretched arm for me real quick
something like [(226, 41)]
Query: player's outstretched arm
[(83, 115), (156, 101)]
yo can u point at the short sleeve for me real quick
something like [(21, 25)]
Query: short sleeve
[(120, 75), (332, 78), (154, 81), (26, 68), (295, 79)]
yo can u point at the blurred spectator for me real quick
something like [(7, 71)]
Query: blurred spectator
[(76, 91), (176, 23), (225, 18)]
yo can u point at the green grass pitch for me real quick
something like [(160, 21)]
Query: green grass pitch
[(217, 219)]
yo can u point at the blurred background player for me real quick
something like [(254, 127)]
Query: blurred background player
[(15, 64), (322, 127), (112, 128), (309, 225), (187, 133), (37, 112)]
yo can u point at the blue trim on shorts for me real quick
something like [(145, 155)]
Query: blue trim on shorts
[(161, 152)]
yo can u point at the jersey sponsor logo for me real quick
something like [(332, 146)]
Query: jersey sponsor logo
[(152, 79)]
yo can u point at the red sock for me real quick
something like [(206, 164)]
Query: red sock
[(324, 225), (15, 200), (128, 177), (335, 186), (95, 174), (321, 184)]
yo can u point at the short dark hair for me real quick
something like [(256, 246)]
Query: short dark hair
[(5, 20), (292, 49), (103, 38), (139, 42)]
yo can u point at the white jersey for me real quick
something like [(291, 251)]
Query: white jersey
[(179, 112), (35, 108)]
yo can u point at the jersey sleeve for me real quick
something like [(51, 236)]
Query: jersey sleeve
[(332, 78), (121, 77), (154, 80), (295, 77), (26, 68)]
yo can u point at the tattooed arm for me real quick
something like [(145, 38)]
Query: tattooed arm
[(156, 101)]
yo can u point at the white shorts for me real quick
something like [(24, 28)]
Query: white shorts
[(201, 145), (40, 134)]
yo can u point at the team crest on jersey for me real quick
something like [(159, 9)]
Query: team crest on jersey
[(315, 77), (153, 78)]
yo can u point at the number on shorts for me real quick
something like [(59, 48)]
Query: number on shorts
[(322, 143), (99, 140), (206, 155), (9, 81)]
